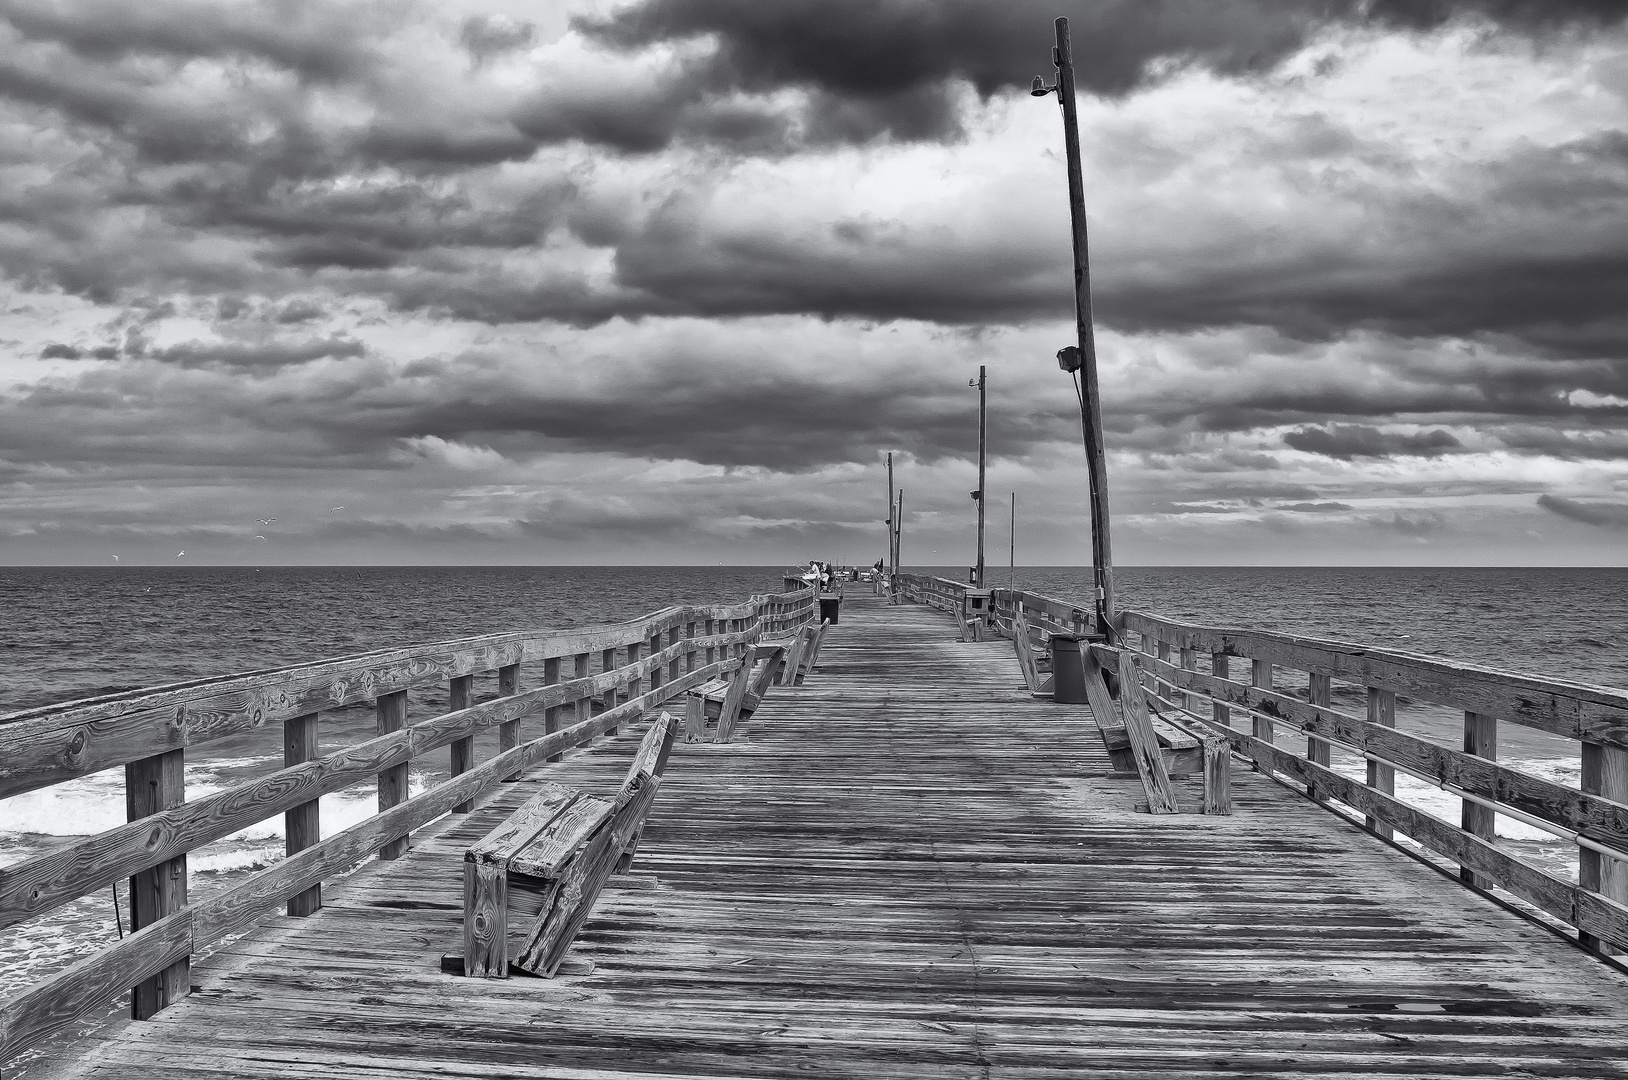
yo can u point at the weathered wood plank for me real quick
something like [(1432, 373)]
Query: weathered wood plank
[(302, 824), (460, 696), (152, 786), (1144, 745)]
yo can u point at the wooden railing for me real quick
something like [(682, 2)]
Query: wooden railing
[(615, 674), (1191, 669), (1042, 613)]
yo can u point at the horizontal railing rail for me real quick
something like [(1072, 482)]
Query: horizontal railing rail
[(1188, 669), (640, 665), (1043, 614)]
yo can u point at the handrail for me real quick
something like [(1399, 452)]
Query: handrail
[(641, 664), (1593, 815)]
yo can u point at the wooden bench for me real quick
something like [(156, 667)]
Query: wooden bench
[(549, 861), (714, 710)]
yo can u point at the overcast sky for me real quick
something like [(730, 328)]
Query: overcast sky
[(663, 281)]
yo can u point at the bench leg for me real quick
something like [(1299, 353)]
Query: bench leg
[(486, 921)]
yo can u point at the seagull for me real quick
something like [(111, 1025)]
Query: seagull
[(265, 521), (259, 537), (115, 558), (178, 554), (332, 509)]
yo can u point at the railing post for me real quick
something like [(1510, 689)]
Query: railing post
[(508, 733), (712, 650), (1220, 667), (392, 714), (551, 715), (1189, 662), (689, 653), (1382, 778), (657, 669), (1480, 739), (1319, 692), (579, 670), (153, 785), (461, 695), (635, 685), (1605, 773), (607, 662), (1260, 677), (675, 667), (302, 826)]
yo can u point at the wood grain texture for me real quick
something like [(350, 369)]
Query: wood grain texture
[(392, 716), (1144, 744), (302, 824), (461, 754), (909, 869), (1604, 773), (1480, 740), (152, 786)]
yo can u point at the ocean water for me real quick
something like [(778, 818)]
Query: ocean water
[(70, 633)]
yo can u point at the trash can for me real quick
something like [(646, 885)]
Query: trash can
[(1067, 669), (828, 609)]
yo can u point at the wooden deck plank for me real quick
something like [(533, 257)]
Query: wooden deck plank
[(909, 867)]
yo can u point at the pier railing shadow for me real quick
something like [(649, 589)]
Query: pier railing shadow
[(594, 680), (1198, 673)]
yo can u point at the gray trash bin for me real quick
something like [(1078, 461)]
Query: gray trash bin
[(1067, 669), (828, 609)]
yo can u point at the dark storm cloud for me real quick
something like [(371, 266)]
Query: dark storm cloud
[(1313, 507), (889, 65), (1348, 441), (1606, 515)]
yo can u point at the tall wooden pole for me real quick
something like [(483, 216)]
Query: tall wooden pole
[(983, 447), (1091, 411), (892, 565), (898, 532), (1011, 582)]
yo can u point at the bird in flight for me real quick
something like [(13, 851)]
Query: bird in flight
[(115, 558), (265, 521), (178, 554), (259, 537), (332, 509)]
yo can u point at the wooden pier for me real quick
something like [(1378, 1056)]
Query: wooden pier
[(909, 866)]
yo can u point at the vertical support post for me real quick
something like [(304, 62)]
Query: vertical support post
[(551, 716), (1260, 677), (1102, 560), (461, 695), (1480, 739), (1189, 662), (1605, 773), (657, 669), (392, 715), (607, 664), (302, 826), (1220, 667), (1382, 778), (892, 564), (689, 653), (508, 733), (153, 785), (1319, 692), (635, 686), (675, 667), (898, 542), (579, 670), (711, 629), (486, 920), (983, 440)]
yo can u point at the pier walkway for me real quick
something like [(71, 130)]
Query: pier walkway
[(910, 868)]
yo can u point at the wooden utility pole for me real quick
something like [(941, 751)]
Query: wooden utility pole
[(1011, 582), (1090, 409), (892, 564), (983, 448)]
